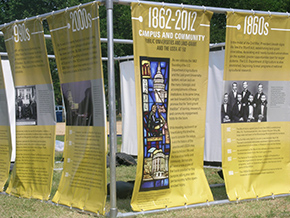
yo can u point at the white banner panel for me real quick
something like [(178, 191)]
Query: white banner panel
[(10, 93), (129, 123), (213, 147)]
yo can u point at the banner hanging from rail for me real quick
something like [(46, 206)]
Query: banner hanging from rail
[(256, 108), (171, 49), (129, 122), (5, 136), (213, 136), (34, 104), (75, 35)]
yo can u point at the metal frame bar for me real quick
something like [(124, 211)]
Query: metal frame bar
[(133, 214), (213, 9), (112, 110), (44, 16), (111, 75), (211, 203), (129, 57), (128, 2)]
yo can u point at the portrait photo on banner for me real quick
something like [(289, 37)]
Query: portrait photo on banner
[(26, 105), (245, 101)]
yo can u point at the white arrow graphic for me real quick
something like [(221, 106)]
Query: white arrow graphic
[(278, 29), (238, 27), (138, 18)]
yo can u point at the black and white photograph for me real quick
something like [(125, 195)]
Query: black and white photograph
[(26, 105), (244, 101), (78, 103)]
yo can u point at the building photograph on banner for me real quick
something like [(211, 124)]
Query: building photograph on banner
[(255, 109), (77, 48), (171, 54), (34, 110), (5, 136)]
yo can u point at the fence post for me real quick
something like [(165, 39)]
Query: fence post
[(112, 109)]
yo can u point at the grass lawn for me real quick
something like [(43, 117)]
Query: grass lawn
[(18, 207)]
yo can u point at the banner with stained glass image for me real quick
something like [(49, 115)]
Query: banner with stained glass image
[(171, 49)]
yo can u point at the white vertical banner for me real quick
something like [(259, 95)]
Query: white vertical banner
[(129, 122), (213, 147), (5, 136), (10, 91)]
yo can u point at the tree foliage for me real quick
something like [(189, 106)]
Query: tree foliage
[(15, 9)]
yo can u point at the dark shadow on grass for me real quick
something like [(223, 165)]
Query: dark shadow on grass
[(219, 193)]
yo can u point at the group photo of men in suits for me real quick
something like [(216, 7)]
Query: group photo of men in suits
[(243, 105)]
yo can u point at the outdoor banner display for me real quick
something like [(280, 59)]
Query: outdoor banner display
[(255, 112), (171, 48), (5, 136), (34, 107), (75, 36)]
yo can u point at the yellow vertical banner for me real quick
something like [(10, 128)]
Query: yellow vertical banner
[(171, 48), (76, 40), (34, 106), (5, 136), (255, 106)]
